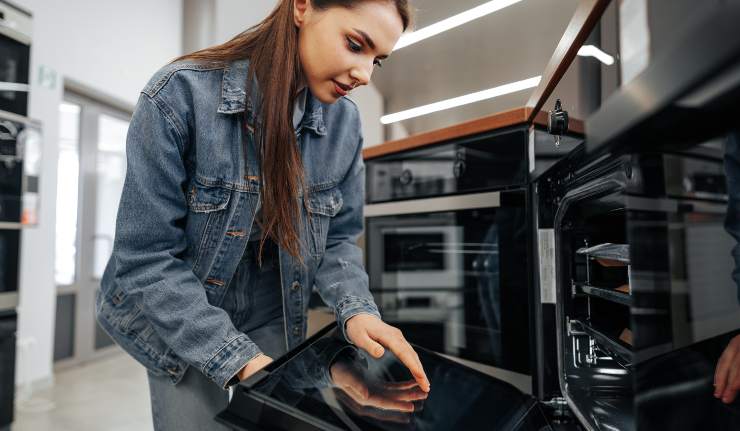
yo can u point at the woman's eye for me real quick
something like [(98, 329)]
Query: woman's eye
[(378, 63), (354, 46)]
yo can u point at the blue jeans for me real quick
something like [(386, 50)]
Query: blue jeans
[(253, 301)]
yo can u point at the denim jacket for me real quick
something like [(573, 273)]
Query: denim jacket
[(187, 207)]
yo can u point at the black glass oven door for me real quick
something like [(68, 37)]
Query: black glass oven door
[(318, 387), (11, 167), (9, 244), (14, 64), (455, 281)]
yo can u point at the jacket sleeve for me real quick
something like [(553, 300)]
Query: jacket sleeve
[(341, 279), (150, 241)]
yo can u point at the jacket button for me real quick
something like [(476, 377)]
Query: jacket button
[(295, 286), (296, 331), (117, 299)]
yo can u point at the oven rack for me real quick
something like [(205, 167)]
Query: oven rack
[(625, 354), (604, 293)]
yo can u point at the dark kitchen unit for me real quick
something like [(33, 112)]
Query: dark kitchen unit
[(20, 151), (574, 280)]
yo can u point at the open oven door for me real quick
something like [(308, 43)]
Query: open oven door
[(308, 389)]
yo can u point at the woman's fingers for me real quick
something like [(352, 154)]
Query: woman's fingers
[(394, 340), (361, 409), (373, 335), (400, 385), (412, 394), (725, 363), (370, 346), (733, 384)]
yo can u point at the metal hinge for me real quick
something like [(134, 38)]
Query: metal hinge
[(559, 407), (556, 402)]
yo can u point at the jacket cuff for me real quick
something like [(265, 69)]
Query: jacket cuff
[(230, 359), (351, 306)]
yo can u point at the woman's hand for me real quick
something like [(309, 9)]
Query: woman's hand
[(254, 365), (373, 335), (727, 374)]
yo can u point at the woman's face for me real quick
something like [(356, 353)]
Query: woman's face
[(340, 47)]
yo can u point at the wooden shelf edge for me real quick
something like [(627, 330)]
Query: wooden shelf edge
[(468, 128)]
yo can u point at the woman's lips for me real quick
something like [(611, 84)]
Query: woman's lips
[(339, 89)]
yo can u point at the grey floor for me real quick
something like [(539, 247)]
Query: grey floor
[(109, 394)]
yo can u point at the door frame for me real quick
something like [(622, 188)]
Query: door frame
[(85, 284)]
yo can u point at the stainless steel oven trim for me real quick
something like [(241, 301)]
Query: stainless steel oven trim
[(15, 86), (8, 301), (439, 204), (5, 115)]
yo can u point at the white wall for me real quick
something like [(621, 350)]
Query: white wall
[(235, 16), (112, 47)]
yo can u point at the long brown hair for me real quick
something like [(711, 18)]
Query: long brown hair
[(272, 49)]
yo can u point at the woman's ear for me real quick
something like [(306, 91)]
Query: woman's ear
[(300, 7)]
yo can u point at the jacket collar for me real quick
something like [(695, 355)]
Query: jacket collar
[(234, 98)]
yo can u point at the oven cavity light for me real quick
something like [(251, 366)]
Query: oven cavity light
[(592, 51)]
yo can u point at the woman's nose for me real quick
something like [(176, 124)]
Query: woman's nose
[(360, 76)]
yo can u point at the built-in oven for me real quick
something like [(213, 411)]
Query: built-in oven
[(446, 247), (20, 164), (15, 51), (636, 293)]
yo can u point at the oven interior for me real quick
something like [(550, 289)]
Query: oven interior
[(594, 299)]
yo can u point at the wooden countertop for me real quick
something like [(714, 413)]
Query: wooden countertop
[(468, 128), (472, 127)]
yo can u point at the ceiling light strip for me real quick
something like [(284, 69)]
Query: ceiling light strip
[(452, 22), (462, 100)]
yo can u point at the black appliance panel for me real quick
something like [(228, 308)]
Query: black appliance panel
[(456, 281), (297, 393), (15, 52), (9, 246), (7, 367), (491, 160), (19, 143)]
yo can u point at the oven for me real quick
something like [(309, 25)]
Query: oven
[(635, 264), (20, 164), (446, 247), (15, 51)]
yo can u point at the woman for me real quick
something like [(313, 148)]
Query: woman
[(244, 189)]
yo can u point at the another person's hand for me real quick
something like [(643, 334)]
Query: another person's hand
[(254, 365), (727, 374), (396, 399), (373, 335)]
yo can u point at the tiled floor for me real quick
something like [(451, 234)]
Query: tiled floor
[(110, 394)]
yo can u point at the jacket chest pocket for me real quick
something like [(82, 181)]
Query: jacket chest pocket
[(207, 216), (323, 206)]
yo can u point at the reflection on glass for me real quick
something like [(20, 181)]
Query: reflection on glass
[(334, 385), (111, 170), (67, 188), (455, 282)]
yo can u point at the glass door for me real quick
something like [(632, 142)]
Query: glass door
[(91, 171), (455, 280)]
